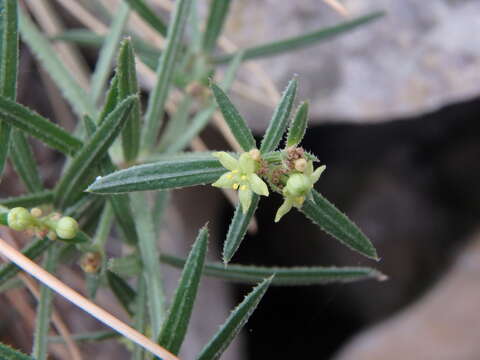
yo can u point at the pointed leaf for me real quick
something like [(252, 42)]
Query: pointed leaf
[(8, 353), (122, 291), (47, 56), (235, 322), (178, 172), (298, 125), (111, 100), (8, 69), (284, 276), (216, 18), (107, 52), (29, 200), (238, 228), (175, 326), (297, 42), (279, 121), (127, 85), (165, 70), (235, 121), (37, 126), (335, 223), (24, 162), (93, 151)]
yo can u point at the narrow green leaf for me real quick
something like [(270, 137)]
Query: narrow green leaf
[(297, 42), (166, 174), (296, 132), (8, 353), (29, 200), (45, 53), (32, 251), (44, 310), (120, 203), (216, 18), (279, 121), (232, 326), (238, 228), (24, 162), (37, 126), (161, 200), (335, 223), (90, 336), (107, 52), (122, 291), (127, 85), (284, 276), (148, 15), (126, 266), (140, 317), (93, 151), (175, 326), (8, 69), (235, 121), (147, 243), (165, 70), (111, 100)]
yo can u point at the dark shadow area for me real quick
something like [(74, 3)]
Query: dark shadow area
[(410, 186)]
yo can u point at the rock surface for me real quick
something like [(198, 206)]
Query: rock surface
[(419, 57)]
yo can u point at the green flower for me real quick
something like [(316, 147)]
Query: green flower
[(298, 188), (241, 177), (20, 219), (67, 227)]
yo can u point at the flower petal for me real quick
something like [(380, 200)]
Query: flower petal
[(283, 209), (227, 160), (245, 197), (258, 185), (247, 164), (316, 174), (224, 181)]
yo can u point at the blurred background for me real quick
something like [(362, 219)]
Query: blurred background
[(395, 112)]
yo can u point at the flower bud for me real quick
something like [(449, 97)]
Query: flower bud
[(91, 262), (255, 154), (300, 165), (67, 227), (19, 219), (298, 185)]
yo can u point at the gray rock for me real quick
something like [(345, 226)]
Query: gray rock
[(419, 57)]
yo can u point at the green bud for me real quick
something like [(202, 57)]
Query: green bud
[(19, 219), (298, 185), (67, 227)]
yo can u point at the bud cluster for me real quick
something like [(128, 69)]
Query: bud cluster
[(52, 225)]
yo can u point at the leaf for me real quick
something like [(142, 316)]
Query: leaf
[(234, 323), (122, 291), (8, 69), (298, 126), (107, 52), (148, 15), (139, 320), (29, 200), (111, 100), (176, 323), (235, 121), (8, 353), (297, 42), (279, 121), (216, 18), (32, 251), (45, 53), (238, 229), (147, 243), (44, 310), (127, 85), (24, 162), (178, 172), (30, 122), (335, 223), (93, 151), (284, 276), (120, 203), (164, 74)]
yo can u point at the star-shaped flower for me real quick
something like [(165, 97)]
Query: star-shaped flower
[(241, 177), (298, 188)]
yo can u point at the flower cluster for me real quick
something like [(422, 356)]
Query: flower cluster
[(53, 225), (242, 176)]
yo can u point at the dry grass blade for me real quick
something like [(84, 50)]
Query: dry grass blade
[(71, 295), (335, 4)]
